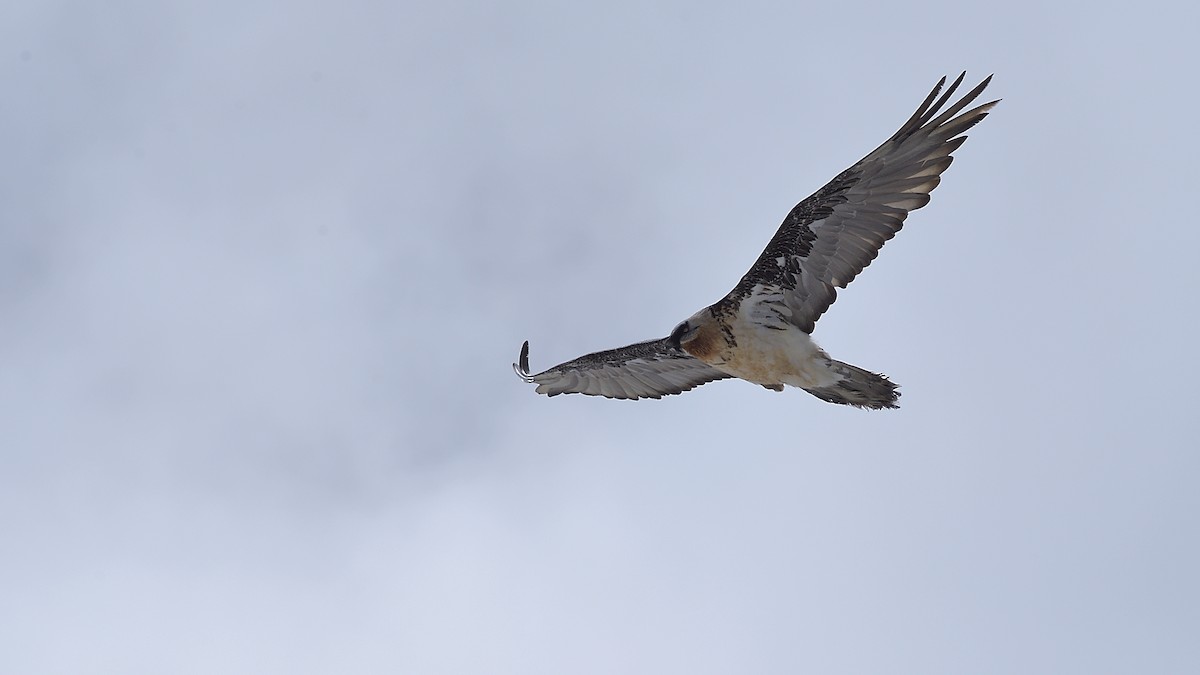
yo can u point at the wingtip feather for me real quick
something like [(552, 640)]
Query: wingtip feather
[(521, 368)]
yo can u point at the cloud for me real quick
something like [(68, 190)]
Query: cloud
[(263, 269)]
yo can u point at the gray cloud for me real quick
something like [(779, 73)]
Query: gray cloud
[(263, 268)]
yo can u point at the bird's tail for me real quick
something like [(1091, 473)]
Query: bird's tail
[(858, 387)]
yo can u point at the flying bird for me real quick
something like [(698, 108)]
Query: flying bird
[(760, 331)]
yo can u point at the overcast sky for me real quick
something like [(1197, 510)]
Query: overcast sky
[(264, 267)]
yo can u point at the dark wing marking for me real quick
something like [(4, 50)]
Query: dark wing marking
[(650, 369), (830, 237)]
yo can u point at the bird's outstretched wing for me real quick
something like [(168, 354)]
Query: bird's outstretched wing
[(650, 369), (830, 237)]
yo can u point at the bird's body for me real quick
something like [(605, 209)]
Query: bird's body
[(736, 345), (760, 331)]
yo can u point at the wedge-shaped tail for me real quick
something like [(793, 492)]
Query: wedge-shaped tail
[(859, 388)]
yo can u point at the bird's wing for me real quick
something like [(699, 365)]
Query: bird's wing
[(650, 369), (830, 237)]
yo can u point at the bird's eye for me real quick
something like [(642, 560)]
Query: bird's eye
[(678, 333)]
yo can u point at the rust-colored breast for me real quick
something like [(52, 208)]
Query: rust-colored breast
[(707, 343)]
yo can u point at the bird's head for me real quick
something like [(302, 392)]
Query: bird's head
[(684, 332), (696, 335)]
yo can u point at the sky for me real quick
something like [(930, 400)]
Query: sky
[(264, 267)]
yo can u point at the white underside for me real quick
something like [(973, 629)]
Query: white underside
[(771, 356)]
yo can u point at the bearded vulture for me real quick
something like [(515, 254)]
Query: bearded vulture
[(760, 331)]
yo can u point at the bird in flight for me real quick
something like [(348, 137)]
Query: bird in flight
[(760, 331)]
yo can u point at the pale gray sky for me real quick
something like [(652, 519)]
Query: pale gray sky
[(264, 267)]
